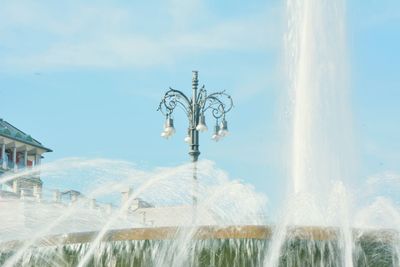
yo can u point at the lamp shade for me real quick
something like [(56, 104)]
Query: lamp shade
[(216, 137), (169, 127), (188, 138), (202, 127), (223, 129)]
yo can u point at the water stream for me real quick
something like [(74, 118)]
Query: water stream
[(325, 220)]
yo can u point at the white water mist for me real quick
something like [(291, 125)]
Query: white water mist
[(322, 155)]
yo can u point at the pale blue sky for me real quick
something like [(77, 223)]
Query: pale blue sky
[(86, 78)]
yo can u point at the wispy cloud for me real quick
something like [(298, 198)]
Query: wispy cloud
[(389, 177), (106, 37)]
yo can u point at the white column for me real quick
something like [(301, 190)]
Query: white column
[(37, 159), (37, 192), (57, 196), (3, 155), (74, 197), (22, 194), (126, 193), (26, 158), (16, 186), (15, 158)]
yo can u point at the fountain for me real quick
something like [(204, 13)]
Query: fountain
[(49, 232), (322, 149), (230, 230), (323, 222)]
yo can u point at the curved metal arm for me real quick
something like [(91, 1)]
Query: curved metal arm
[(171, 99), (220, 103)]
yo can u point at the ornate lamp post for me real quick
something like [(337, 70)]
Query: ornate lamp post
[(218, 104)]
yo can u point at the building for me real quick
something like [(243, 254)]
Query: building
[(146, 214), (23, 210), (19, 152)]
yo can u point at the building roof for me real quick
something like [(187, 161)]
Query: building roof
[(12, 132)]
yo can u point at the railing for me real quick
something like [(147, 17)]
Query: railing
[(10, 165)]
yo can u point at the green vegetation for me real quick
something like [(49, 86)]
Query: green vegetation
[(205, 253)]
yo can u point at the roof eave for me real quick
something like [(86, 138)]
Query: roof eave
[(26, 142)]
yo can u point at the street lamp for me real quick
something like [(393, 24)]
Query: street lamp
[(195, 107)]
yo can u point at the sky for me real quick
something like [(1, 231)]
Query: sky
[(85, 79)]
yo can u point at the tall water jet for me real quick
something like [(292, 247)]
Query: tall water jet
[(321, 152), (317, 71)]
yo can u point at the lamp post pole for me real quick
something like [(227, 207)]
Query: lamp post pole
[(218, 104), (194, 133), (194, 151)]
